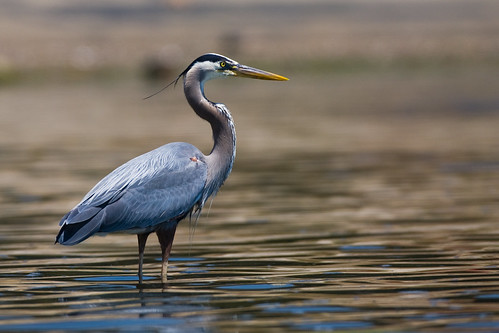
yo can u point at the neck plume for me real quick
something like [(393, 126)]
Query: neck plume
[(222, 155)]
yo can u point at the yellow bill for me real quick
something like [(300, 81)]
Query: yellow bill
[(254, 73)]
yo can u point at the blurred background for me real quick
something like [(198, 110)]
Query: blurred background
[(366, 76), (375, 169), (71, 70), (78, 70), (383, 81)]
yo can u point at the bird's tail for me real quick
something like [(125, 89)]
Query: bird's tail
[(75, 229)]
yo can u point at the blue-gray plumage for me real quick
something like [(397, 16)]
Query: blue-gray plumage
[(155, 191), (142, 193)]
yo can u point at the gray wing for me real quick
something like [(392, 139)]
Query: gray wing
[(159, 186)]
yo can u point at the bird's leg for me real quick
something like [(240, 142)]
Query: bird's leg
[(165, 237), (142, 238)]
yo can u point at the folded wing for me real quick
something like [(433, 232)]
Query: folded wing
[(157, 187)]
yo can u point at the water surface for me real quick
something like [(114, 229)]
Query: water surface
[(364, 219)]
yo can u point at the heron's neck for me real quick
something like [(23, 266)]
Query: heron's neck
[(222, 155)]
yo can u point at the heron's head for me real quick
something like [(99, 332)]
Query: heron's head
[(211, 66)]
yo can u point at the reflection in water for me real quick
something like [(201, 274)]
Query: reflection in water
[(366, 254), (365, 229)]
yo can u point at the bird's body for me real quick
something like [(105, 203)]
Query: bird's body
[(156, 187), (155, 191)]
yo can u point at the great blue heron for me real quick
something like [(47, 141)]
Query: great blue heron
[(155, 191)]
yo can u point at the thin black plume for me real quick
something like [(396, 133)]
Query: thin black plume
[(213, 57), (174, 82)]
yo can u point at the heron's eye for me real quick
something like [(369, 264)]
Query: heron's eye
[(223, 64)]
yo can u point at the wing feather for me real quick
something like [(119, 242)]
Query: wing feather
[(151, 189)]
